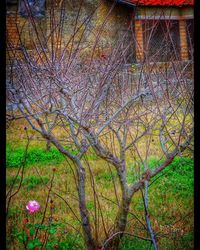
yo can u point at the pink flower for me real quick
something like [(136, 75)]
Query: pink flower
[(33, 206)]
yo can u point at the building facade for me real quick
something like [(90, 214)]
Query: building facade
[(155, 30), (157, 18)]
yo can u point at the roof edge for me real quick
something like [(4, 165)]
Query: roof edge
[(155, 3)]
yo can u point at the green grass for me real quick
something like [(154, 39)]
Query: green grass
[(186, 241), (133, 243), (33, 181), (178, 177), (14, 157), (37, 155), (13, 212), (181, 170), (172, 189), (174, 182), (104, 176), (10, 180), (28, 182)]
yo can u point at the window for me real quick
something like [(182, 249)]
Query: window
[(161, 40)]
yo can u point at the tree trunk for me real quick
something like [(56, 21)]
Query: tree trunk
[(48, 146), (120, 224), (89, 241)]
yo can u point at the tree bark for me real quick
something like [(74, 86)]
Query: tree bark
[(89, 241), (120, 223)]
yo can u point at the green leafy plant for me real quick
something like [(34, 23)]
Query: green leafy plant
[(32, 244)]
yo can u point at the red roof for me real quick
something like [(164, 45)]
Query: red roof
[(178, 3)]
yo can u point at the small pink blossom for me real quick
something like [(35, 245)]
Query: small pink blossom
[(33, 206)]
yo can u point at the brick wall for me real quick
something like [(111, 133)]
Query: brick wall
[(11, 29), (139, 41), (183, 40)]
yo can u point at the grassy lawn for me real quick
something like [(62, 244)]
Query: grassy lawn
[(170, 197)]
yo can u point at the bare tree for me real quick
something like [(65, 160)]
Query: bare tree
[(95, 103)]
